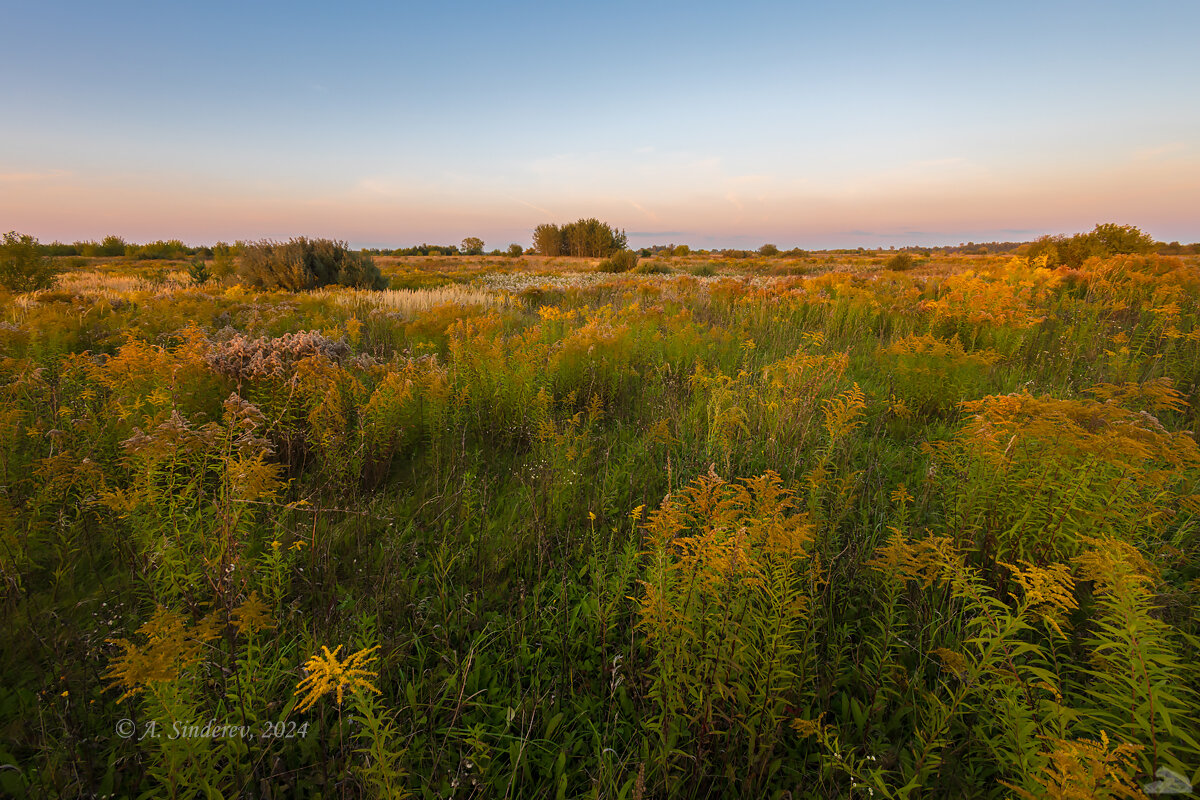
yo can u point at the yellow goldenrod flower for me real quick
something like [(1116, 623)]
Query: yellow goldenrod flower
[(252, 615), (327, 674), (171, 647)]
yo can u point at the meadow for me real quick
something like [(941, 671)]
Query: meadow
[(516, 528)]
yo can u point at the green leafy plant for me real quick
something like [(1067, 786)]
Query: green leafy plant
[(23, 267)]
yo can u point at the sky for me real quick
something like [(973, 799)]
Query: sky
[(801, 124)]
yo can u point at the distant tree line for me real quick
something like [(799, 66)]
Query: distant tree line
[(584, 238), (590, 238), (680, 250), (766, 251), (117, 247), (666, 250), (1177, 249), (421, 250)]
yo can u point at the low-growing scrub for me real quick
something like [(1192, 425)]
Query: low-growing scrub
[(621, 261)]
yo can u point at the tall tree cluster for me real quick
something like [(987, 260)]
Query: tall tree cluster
[(585, 238)]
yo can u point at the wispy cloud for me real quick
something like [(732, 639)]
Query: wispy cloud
[(539, 209), (650, 215), (1151, 153)]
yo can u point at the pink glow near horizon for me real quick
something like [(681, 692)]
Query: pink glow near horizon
[(1161, 196)]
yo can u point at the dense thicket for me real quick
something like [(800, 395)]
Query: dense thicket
[(303, 263), (1106, 239)]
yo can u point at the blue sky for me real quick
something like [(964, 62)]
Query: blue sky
[(803, 124)]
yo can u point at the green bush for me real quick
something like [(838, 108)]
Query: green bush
[(198, 271), (303, 263), (1105, 240), (653, 268), (23, 268), (901, 262), (111, 245), (621, 261), (224, 261)]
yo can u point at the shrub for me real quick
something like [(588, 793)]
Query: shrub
[(109, 247), (515, 250), (303, 263), (23, 268), (223, 263), (198, 271), (768, 250), (1105, 240), (622, 261), (901, 262), (705, 270), (653, 268)]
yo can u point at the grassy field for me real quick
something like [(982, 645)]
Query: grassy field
[(519, 529)]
